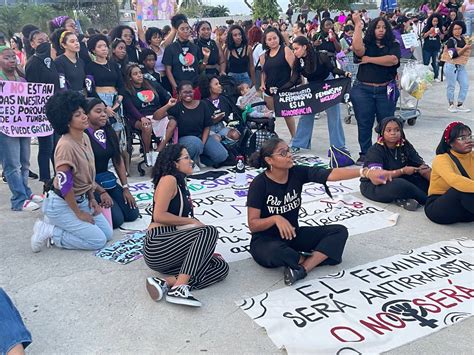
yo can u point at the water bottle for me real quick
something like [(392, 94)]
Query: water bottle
[(240, 178)]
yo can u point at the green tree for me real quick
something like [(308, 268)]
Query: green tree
[(9, 16), (214, 11), (265, 9)]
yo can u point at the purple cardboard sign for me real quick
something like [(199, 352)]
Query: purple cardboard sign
[(22, 111)]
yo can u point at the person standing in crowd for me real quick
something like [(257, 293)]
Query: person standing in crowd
[(147, 63), (315, 66), (68, 24), (128, 35), (455, 66), (394, 153), (40, 68), (346, 46), (194, 120), (453, 5), (425, 7), (403, 26), (240, 64), (432, 36), (453, 16), (119, 54), (375, 94), (289, 14), (467, 10), (74, 218), (451, 192), (210, 55), (26, 31), (17, 45), (326, 39), (255, 41), (304, 11), (274, 201), (71, 68), (298, 30), (15, 155), (443, 9), (105, 147), (176, 243), (283, 29), (180, 57), (276, 62), (145, 107)]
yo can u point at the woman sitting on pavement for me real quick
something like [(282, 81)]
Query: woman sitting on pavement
[(410, 175), (194, 120), (451, 192), (274, 201), (145, 106), (74, 218), (176, 243), (105, 146)]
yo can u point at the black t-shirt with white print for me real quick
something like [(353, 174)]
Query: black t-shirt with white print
[(183, 59), (272, 198)]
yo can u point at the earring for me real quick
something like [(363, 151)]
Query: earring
[(271, 167)]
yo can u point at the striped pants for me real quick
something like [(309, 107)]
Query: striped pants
[(188, 251)]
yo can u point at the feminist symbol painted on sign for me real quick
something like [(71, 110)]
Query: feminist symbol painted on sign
[(404, 309)]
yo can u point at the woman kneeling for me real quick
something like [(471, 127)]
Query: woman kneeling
[(176, 243), (274, 201)]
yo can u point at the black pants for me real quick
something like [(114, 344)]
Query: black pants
[(452, 207), (271, 251), (121, 212), (409, 186)]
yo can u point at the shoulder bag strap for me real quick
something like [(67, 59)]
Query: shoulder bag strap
[(459, 165)]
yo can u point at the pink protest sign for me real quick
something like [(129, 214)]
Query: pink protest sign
[(22, 109)]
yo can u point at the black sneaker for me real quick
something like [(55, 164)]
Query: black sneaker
[(290, 276), (361, 160), (33, 175), (408, 204), (156, 287), (181, 295)]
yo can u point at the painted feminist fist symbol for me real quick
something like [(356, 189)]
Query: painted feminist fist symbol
[(406, 310)]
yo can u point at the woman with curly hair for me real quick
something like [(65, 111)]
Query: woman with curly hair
[(208, 48), (239, 58), (128, 35), (375, 94), (74, 217), (176, 243), (432, 35)]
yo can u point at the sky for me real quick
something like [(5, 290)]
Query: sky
[(238, 6)]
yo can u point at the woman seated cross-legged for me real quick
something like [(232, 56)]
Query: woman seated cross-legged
[(105, 146), (410, 175), (451, 192), (145, 107), (74, 219), (194, 119), (176, 243), (274, 201)]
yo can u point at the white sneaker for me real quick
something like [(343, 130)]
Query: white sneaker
[(154, 156), (452, 109), (196, 169), (463, 108), (437, 80), (29, 206), (42, 233), (37, 198), (149, 159)]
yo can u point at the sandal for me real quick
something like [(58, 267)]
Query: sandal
[(408, 204)]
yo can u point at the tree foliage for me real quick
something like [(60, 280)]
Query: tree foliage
[(214, 11), (266, 9)]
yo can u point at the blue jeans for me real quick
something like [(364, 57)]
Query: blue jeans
[(433, 56), (468, 19), (211, 153), (456, 73), (12, 328), (241, 78), (304, 131), (121, 212), (16, 166), (45, 155), (69, 231), (370, 103)]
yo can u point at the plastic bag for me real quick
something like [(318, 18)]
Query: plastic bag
[(416, 78)]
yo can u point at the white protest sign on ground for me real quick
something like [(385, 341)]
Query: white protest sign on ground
[(410, 40), (374, 307), (22, 109)]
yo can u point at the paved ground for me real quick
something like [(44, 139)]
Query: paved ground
[(74, 302)]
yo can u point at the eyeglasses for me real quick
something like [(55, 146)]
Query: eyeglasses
[(464, 138), (283, 153), (186, 157)]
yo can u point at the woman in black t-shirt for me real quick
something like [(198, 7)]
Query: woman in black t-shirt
[(432, 35), (239, 57), (119, 54), (181, 57), (375, 93), (70, 67), (194, 120), (215, 62), (127, 34), (145, 106), (410, 175), (326, 39), (274, 201), (105, 146)]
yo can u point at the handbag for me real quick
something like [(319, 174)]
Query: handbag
[(339, 157), (107, 180)]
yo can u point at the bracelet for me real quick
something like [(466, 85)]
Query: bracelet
[(401, 171), (125, 186)]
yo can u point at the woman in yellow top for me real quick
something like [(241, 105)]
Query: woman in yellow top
[(451, 192)]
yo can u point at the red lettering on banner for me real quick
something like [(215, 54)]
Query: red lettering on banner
[(336, 330), (380, 323)]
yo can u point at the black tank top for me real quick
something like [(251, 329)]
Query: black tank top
[(181, 205), (239, 64), (276, 69)]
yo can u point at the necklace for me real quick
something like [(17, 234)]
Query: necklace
[(105, 66)]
